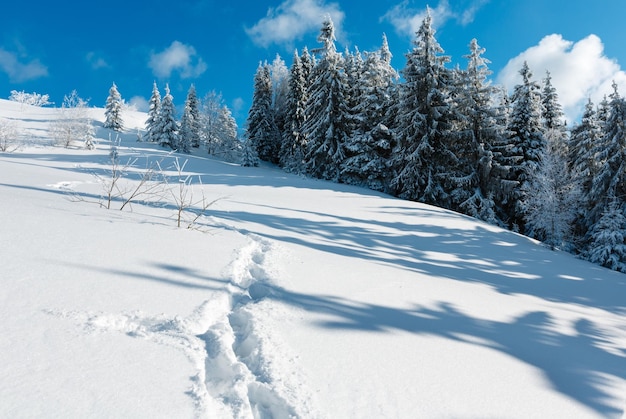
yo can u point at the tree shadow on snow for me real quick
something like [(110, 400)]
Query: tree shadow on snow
[(576, 364), (508, 262)]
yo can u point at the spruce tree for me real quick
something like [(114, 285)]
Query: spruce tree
[(326, 123), (294, 143), (190, 125), (583, 165), (263, 133), (480, 131), (527, 141), (608, 238), (369, 147), (422, 160), (166, 128), (552, 111), (609, 182), (229, 147), (249, 157), (153, 114), (113, 110)]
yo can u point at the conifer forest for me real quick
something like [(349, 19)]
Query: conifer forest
[(438, 135)]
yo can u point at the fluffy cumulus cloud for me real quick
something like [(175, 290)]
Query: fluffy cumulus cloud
[(292, 19), (19, 71), (580, 70), (407, 20), (180, 58)]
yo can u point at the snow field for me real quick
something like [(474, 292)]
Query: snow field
[(290, 298)]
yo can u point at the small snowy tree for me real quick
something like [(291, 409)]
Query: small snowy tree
[(8, 135), (113, 110), (165, 130), (249, 157), (153, 114), (229, 147), (73, 123), (608, 244), (552, 200), (189, 134), (219, 128)]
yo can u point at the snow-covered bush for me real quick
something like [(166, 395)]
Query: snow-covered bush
[(8, 135), (73, 123), (34, 99)]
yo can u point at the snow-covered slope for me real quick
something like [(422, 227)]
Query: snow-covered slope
[(289, 297)]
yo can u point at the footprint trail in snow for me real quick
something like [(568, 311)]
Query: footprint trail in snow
[(242, 369)]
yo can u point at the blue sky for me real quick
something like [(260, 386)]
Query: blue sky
[(55, 47)]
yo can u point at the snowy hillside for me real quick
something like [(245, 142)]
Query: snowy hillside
[(288, 297)]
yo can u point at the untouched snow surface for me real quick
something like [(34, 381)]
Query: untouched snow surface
[(289, 297)]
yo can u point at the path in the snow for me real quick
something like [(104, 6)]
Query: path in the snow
[(239, 364)]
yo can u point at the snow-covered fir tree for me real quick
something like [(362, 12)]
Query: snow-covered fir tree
[(369, 147), (480, 131), (294, 142), (553, 118), (308, 63), (326, 125), (262, 132), (603, 111), (190, 125), (113, 110), (609, 183), (527, 141), (228, 146), (249, 156), (582, 162), (165, 131), (608, 238), (551, 111), (153, 114), (422, 159)]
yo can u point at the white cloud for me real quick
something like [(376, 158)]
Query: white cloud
[(20, 71), (292, 19), (467, 16), (177, 57), (96, 61), (579, 70), (139, 103), (407, 20)]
